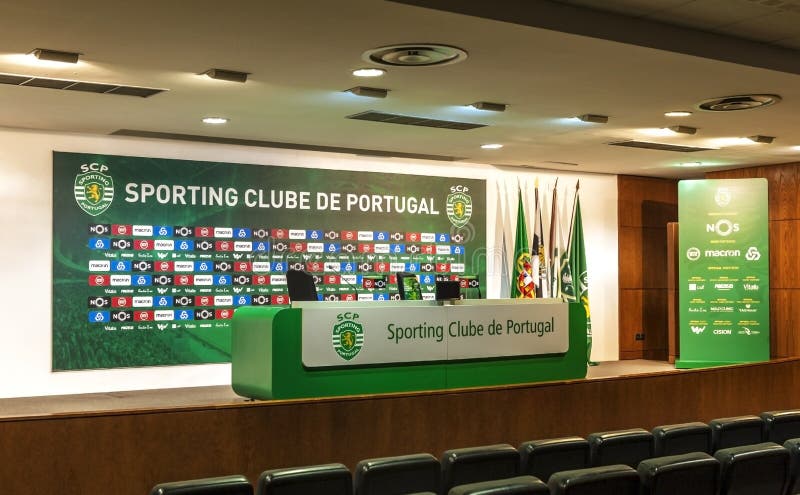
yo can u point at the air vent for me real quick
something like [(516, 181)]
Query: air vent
[(68, 85), (658, 146), (738, 102), (392, 118), (277, 144), (415, 54)]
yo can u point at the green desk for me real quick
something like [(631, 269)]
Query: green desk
[(268, 353)]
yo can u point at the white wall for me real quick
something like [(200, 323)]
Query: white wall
[(26, 249)]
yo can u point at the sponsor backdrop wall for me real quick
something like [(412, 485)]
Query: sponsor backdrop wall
[(724, 272), (26, 217)]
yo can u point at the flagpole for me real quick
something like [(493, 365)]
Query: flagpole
[(572, 217)]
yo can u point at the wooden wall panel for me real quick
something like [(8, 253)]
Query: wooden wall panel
[(784, 246), (126, 453), (784, 316), (784, 203), (645, 207)]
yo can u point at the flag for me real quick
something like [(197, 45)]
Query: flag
[(522, 283), (555, 246), (537, 248), (578, 262), (500, 236), (566, 283)]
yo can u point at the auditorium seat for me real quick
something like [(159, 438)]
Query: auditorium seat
[(620, 447), (793, 446), (474, 464), (616, 479), (541, 458), (681, 439), (324, 479), (780, 426), (520, 485), (224, 485), (397, 475), (735, 432), (696, 473), (760, 469)]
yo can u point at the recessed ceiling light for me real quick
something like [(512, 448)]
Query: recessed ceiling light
[(796, 148), (724, 142), (691, 164), (492, 146), (597, 119), (215, 120), (657, 132), (370, 92), (683, 129), (487, 105), (369, 72), (56, 55), (226, 75), (761, 139), (677, 113)]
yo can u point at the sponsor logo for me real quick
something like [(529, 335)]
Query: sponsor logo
[(698, 330), (722, 253), (693, 254), (723, 286), (722, 196), (748, 331), (348, 335), (93, 190), (723, 227), (459, 206), (751, 286), (723, 331), (752, 254)]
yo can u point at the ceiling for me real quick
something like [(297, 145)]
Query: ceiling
[(631, 60)]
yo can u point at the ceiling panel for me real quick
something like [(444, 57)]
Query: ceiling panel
[(774, 28), (634, 8), (710, 14), (300, 57)]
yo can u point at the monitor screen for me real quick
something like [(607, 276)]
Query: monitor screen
[(447, 290), (301, 286)]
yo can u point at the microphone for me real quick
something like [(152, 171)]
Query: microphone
[(345, 281)]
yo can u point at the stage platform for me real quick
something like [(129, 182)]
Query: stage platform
[(126, 442), (138, 400)]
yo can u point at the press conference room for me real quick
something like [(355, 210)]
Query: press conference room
[(400, 246)]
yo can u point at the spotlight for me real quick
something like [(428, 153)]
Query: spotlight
[(677, 113), (226, 75), (596, 119), (369, 72), (761, 139), (683, 129), (492, 146), (215, 120), (56, 55), (489, 106), (370, 92)]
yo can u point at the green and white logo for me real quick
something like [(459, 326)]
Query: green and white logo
[(348, 336), (459, 206), (94, 190)]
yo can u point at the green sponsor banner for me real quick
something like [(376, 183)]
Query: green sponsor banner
[(152, 256), (723, 272)]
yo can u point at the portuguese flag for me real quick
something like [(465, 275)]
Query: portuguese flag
[(522, 281)]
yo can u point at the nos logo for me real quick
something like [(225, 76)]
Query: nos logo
[(348, 335), (94, 190)]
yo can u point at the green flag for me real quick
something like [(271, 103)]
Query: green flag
[(577, 260), (522, 280)]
